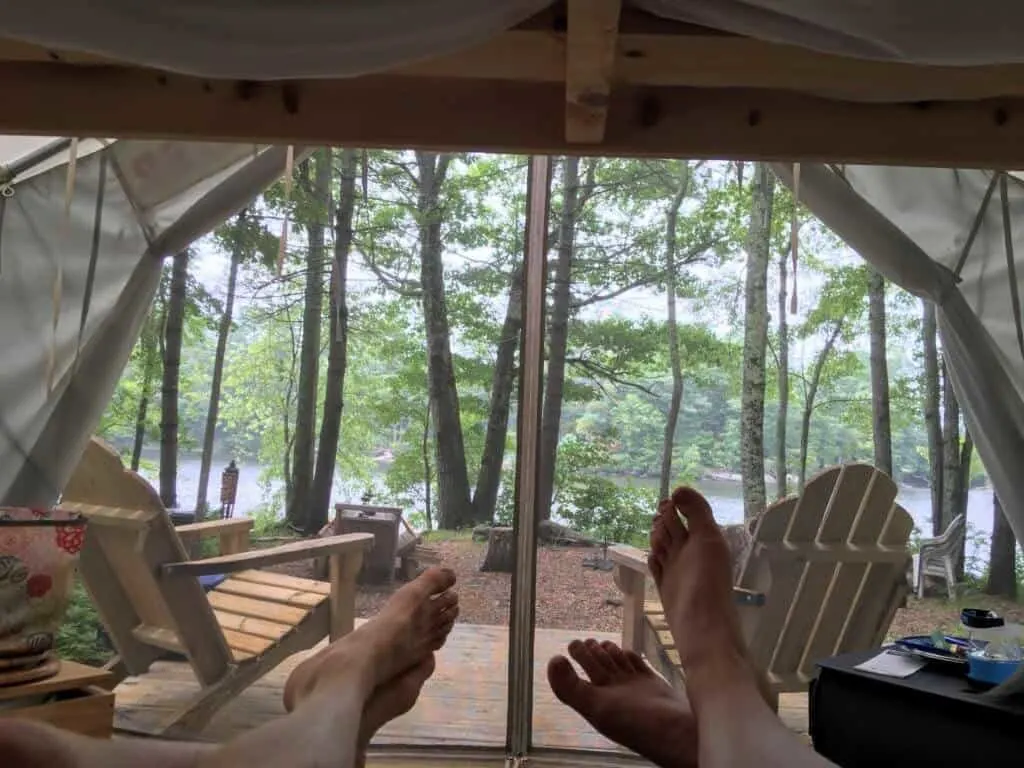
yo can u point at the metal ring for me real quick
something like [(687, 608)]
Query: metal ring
[(7, 190)]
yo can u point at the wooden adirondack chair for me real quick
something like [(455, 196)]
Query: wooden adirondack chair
[(824, 575), (149, 597)]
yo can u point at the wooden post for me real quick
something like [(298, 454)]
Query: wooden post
[(633, 586), (343, 572)]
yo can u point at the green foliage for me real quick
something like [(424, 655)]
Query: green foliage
[(78, 638), (594, 504), (266, 523), (618, 383)]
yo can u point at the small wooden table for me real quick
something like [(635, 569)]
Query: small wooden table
[(931, 718), (77, 699)]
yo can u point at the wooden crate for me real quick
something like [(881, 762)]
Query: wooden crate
[(79, 700)]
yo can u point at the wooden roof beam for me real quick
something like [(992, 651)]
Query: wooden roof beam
[(653, 52), (508, 116), (593, 30)]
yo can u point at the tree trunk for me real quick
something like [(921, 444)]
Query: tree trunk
[(337, 352), (558, 334), (501, 552), (177, 297), (675, 358), (782, 417), (951, 475), (809, 395), (1002, 557), (455, 505), (237, 249), (428, 482), (931, 406), (286, 423), (140, 425), (151, 331), (880, 421), (309, 364), (755, 341), (963, 487), (503, 381)]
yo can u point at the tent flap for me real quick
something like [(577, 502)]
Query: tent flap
[(96, 256)]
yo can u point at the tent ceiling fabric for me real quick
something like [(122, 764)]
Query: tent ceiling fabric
[(264, 39), (279, 39), (103, 245)]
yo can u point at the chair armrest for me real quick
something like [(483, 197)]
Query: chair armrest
[(285, 553), (629, 557), (208, 528)]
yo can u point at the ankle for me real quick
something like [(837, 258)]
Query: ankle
[(728, 677)]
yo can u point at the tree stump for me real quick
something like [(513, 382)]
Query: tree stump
[(500, 555)]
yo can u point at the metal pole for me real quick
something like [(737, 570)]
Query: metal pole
[(531, 376)]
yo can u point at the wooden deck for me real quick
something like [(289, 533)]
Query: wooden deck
[(462, 705)]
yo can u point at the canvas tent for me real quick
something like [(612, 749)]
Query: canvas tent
[(944, 234), (871, 84), (80, 261)]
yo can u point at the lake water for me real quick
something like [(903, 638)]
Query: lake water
[(725, 496)]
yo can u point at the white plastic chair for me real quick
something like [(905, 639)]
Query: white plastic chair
[(937, 557)]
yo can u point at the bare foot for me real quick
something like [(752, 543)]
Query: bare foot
[(392, 700), (627, 702), (413, 624), (692, 569)]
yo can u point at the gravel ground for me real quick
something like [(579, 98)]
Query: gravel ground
[(572, 597), (569, 596)]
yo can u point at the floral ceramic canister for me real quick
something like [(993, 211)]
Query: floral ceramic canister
[(38, 554)]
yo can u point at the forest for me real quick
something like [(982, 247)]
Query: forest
[(357, 327)]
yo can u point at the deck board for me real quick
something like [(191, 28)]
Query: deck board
[(462, 705)]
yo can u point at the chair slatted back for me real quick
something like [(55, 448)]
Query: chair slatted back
[(120, 566), (832, 564)]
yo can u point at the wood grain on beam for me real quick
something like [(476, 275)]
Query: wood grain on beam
[(661, 54), (589, 60), (507, 116)]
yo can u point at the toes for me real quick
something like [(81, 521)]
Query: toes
[(433, 581), (636, 661), (583, 654), (444, 602), (695, 508), (601, 658), (673, 527), (617, 656), (570, 689)]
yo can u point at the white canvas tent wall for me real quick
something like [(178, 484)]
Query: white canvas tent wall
[(912, 224), (780, 80), (91, 244), (955, 237)]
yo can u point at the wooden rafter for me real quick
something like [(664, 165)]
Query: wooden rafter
[(656, 52), (508, 116), (589, 60), (566, 81)]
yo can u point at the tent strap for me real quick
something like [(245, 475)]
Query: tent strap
[(976, 226), (94, 254), (1010, 267)]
